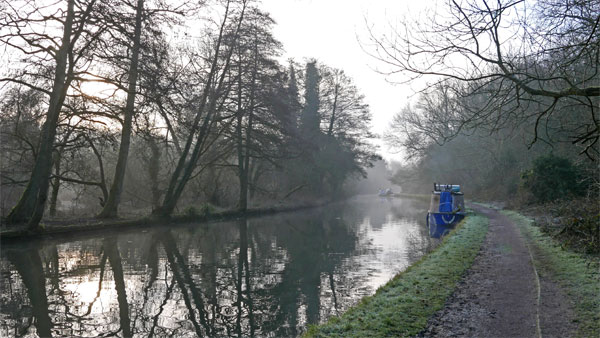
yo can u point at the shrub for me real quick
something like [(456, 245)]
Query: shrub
[(576, 224), (191, 211), (552, 178), (204, 210)]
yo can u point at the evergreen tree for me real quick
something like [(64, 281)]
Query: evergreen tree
[(310, 119), (293, 102)]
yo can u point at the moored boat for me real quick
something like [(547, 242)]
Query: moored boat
[(446, 209), (386, 193)]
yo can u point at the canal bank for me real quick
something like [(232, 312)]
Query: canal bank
[(505, 280), (403, 305), (90, 225)]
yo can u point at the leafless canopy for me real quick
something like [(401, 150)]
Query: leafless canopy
[(506, 61)]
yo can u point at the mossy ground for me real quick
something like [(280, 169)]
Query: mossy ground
[(403, 306), (577, 274)]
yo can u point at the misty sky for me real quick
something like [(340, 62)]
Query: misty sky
[(330, 31)]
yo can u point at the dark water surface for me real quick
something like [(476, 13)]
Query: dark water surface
[(265, 276)]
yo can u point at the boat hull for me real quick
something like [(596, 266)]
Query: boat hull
[(441, 223)]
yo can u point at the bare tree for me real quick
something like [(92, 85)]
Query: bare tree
[(137, 35), (205, 116), (435, 119), (343, 110), (256, 79), (19, 31), (111, 205), (514, 60)]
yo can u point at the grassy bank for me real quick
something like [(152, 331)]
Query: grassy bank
[(578, 275), (403, 306)]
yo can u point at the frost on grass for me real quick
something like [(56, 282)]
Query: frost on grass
[(574, 272), (403, 306)]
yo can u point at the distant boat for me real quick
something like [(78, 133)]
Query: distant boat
[(386, 193), (446, 209)]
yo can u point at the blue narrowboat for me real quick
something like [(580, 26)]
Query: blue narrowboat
[(446, 209)]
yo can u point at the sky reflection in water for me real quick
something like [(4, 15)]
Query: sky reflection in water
[(267, 276)]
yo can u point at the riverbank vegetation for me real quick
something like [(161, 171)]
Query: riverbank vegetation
[(402, 307), (574, 223), (578, 274), (146, 107), (519, 122)]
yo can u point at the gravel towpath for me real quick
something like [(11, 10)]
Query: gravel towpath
[(503, 295)]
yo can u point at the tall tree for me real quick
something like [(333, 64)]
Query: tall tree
[(206, 109), (291, 108), (310, 119), (345, 120), (30, 207), (310, 138), (112, 203), (334, 129), (343, 110), (257, 70)]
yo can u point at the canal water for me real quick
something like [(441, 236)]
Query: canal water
[(263, 276)]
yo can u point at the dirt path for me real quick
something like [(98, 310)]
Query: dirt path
[(499, 295)]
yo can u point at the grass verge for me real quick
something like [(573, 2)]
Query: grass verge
[(579, 276), (403, 305)]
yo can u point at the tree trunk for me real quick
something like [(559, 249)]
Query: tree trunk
[(246, 164), (112, 204), (55, 186), (102, 183), (242, 170), (153, 171), (253, 177), (244, 156), (245, 167), (332, 120), (32, 202)]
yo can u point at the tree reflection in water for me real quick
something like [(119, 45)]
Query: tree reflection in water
[(267, 276), (29, 266), (114, 257)]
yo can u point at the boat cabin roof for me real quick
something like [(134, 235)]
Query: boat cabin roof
[(452, 192)]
